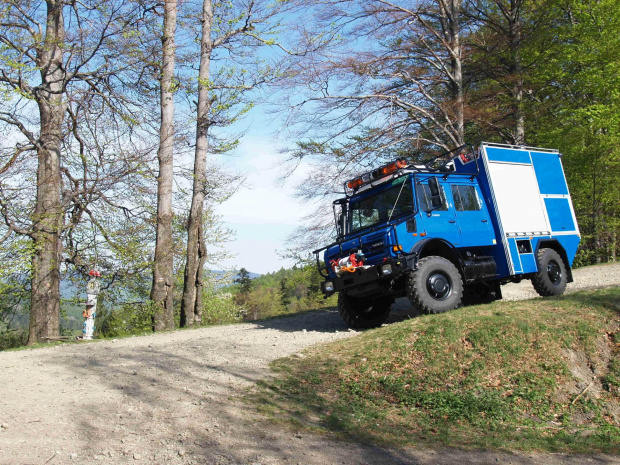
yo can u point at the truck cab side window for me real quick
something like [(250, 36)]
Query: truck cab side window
[(465, 198), (424, 197)]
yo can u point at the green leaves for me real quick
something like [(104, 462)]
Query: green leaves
[(578, 111)]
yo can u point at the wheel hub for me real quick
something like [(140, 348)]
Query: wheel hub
[(439, 286), (555, 273)]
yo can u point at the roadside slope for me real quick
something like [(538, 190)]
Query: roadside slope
[(174, 398), (523, 375)]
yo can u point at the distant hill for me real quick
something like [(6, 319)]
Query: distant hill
[(221, 273), (69, 289)]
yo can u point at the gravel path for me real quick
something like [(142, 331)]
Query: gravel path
[(589, 277), (175, 398)]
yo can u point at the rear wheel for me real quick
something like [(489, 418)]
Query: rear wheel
[(551, 277), (363, 313), (436, 286)]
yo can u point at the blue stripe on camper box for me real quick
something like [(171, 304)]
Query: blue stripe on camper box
[(508, 155), (529, 263), (549, 173), (570, 244), (560, 215), (514, 254)]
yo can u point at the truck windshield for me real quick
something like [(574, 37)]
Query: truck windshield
[(379, 208)]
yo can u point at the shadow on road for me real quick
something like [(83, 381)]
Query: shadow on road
[(329, 321), (173, 402), (324, 321)]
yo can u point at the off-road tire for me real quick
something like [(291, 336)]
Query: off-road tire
[(363, 313), (436, 286), (551, 277)]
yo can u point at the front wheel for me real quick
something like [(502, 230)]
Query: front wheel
[(436, 286), (363, 313), (551, 277)]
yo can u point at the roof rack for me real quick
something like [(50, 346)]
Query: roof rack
[(519, 147), (440, 164)]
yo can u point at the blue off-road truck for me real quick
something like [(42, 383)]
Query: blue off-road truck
[(450, 230)]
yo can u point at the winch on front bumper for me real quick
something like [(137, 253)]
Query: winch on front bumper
[(385, 271)]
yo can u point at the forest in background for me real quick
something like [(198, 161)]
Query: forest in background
[(245, 296), (109, 110)]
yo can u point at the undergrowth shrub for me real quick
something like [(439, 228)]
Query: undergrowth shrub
[(12, 338), (126, 320), (219, 308)]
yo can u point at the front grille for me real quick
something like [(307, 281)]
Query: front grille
[(375, 246)]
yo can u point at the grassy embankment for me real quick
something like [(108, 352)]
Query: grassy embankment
[(539, 374)]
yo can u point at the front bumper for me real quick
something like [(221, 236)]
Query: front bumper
[(364, 277)]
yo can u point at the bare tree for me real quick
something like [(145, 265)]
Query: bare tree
[(230, 35), (191, 305), (47, 217), (36, 42), (108, 193), (163, 279), (387, 80)]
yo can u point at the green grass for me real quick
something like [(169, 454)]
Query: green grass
[(494, 376)]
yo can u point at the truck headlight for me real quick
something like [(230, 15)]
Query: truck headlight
[(329, 286), (386, 269)]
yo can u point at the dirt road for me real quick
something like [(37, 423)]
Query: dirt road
[(175, 398)]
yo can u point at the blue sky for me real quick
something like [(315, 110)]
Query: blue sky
[(263, 212)]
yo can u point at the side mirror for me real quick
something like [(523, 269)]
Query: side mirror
[(436, 198), (341, 208), (341, 224)]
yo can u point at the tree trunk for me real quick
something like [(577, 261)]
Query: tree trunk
[(517, 72), (202, 258), (457, 70), (196, 248), (450, 17), (47, 217), (163, 279)]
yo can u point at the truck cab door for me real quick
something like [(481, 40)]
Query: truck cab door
[(472, 216), (436, 222)]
